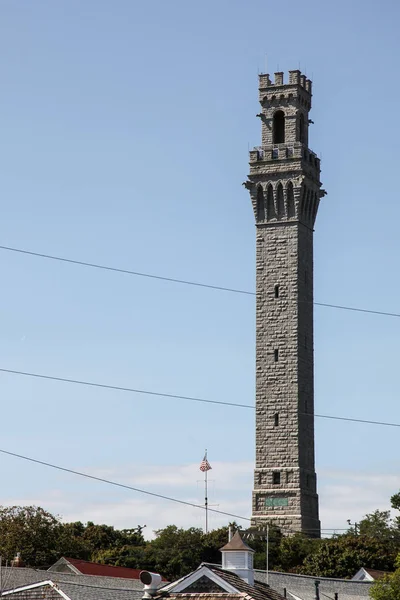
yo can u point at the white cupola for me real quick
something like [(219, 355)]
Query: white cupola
[(237, 557)]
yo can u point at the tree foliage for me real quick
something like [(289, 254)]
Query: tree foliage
[(42, 539), (387, 588), (32, 529)]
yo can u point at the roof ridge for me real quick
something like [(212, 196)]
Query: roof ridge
[(74, 575), (306, 576), (91, 562), (86, 585)]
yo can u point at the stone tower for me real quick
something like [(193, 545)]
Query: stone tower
[(285, 189)]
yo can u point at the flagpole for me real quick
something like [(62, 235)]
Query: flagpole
[(205, 494)]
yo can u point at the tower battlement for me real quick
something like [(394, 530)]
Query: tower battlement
[(296, 77)]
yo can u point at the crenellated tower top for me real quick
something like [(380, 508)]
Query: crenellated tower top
[(284, 180), (293, 99)]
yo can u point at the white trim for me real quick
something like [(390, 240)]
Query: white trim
[(29, 586), (182, 584), (65, 563), (362, 575), (32, 586), (294, 596)]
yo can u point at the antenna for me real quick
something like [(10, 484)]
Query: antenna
[(206, 494)]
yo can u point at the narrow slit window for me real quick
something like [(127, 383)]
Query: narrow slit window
[(260, 204), (276, 355), (276, 419), (301, 129), (276, 477), (279, 127), (276, 289)]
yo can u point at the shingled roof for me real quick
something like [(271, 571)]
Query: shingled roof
[(15, 578), (209, 582), (258, 591), (84, 567), (235, 544)]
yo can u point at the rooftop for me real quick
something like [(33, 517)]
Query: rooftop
[(90, 568)]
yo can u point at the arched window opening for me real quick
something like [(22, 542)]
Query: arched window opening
[(279, 127), (290, 201), (276, 290), (276, 419), (280, 201), (260, 204), (270, 203)]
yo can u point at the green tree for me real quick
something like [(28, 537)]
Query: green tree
[(32, 531), (134, 557), (175, 551), (378, 523), (256, 538), (395, 501), (211, 544), (293, 551), (387, 588), (71, 542), (344, 555)]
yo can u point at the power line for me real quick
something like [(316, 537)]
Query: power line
[(121, 485), (178, 397), (123, 389), (183, 281), (132, 488), (126, 271)]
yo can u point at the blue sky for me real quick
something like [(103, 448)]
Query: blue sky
[(125, 129)]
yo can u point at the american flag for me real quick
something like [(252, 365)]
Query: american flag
[(205, 465)]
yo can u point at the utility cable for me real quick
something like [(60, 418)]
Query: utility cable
[(121, 485), (126, 271), (183, 281), (177, 397)]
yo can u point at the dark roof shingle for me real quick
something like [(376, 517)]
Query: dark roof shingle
[(258, 591)]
